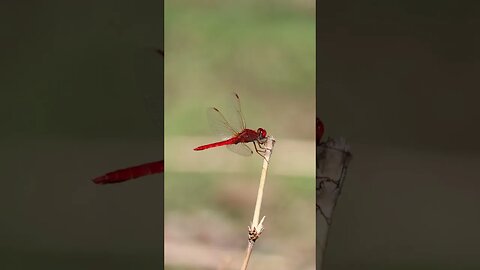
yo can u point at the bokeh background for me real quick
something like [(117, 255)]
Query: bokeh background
[(399, 80), (73, 80), (264, 51)]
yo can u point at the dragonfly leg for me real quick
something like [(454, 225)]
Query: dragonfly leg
[(261, 146), (262, 150)]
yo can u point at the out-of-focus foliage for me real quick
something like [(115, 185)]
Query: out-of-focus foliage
[(265, 51)]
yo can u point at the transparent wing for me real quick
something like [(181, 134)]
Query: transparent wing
[(219, 124), (238, 121), (241, 149), (147, 65)]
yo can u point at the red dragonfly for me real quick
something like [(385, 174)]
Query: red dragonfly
[(236, 136), (132, 172)]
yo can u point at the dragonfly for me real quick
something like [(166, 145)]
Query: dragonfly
[(134, 172), (235, 135)]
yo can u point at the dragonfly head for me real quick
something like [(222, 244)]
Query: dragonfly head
[(262, 133)]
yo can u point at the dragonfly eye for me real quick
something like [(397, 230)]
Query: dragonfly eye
[(262, 132)]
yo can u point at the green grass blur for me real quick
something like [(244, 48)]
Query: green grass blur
[(263, 51)]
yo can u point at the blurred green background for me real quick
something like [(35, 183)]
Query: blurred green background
[(264, 51)]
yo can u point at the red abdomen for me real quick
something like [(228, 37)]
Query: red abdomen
[(130, 173), (216, 144)]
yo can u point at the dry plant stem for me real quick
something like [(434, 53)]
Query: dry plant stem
[(322, 240), (333, 158), (247, 255), (256, 228)]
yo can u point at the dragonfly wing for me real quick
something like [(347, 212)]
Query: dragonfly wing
[(220, 125), (238, 121), (241, 149), (147, 66)]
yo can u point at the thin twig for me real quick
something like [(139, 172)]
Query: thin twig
[(333, 157), (256, 228)]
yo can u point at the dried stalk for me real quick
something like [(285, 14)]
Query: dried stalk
[(256, 228), (333, 157)]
